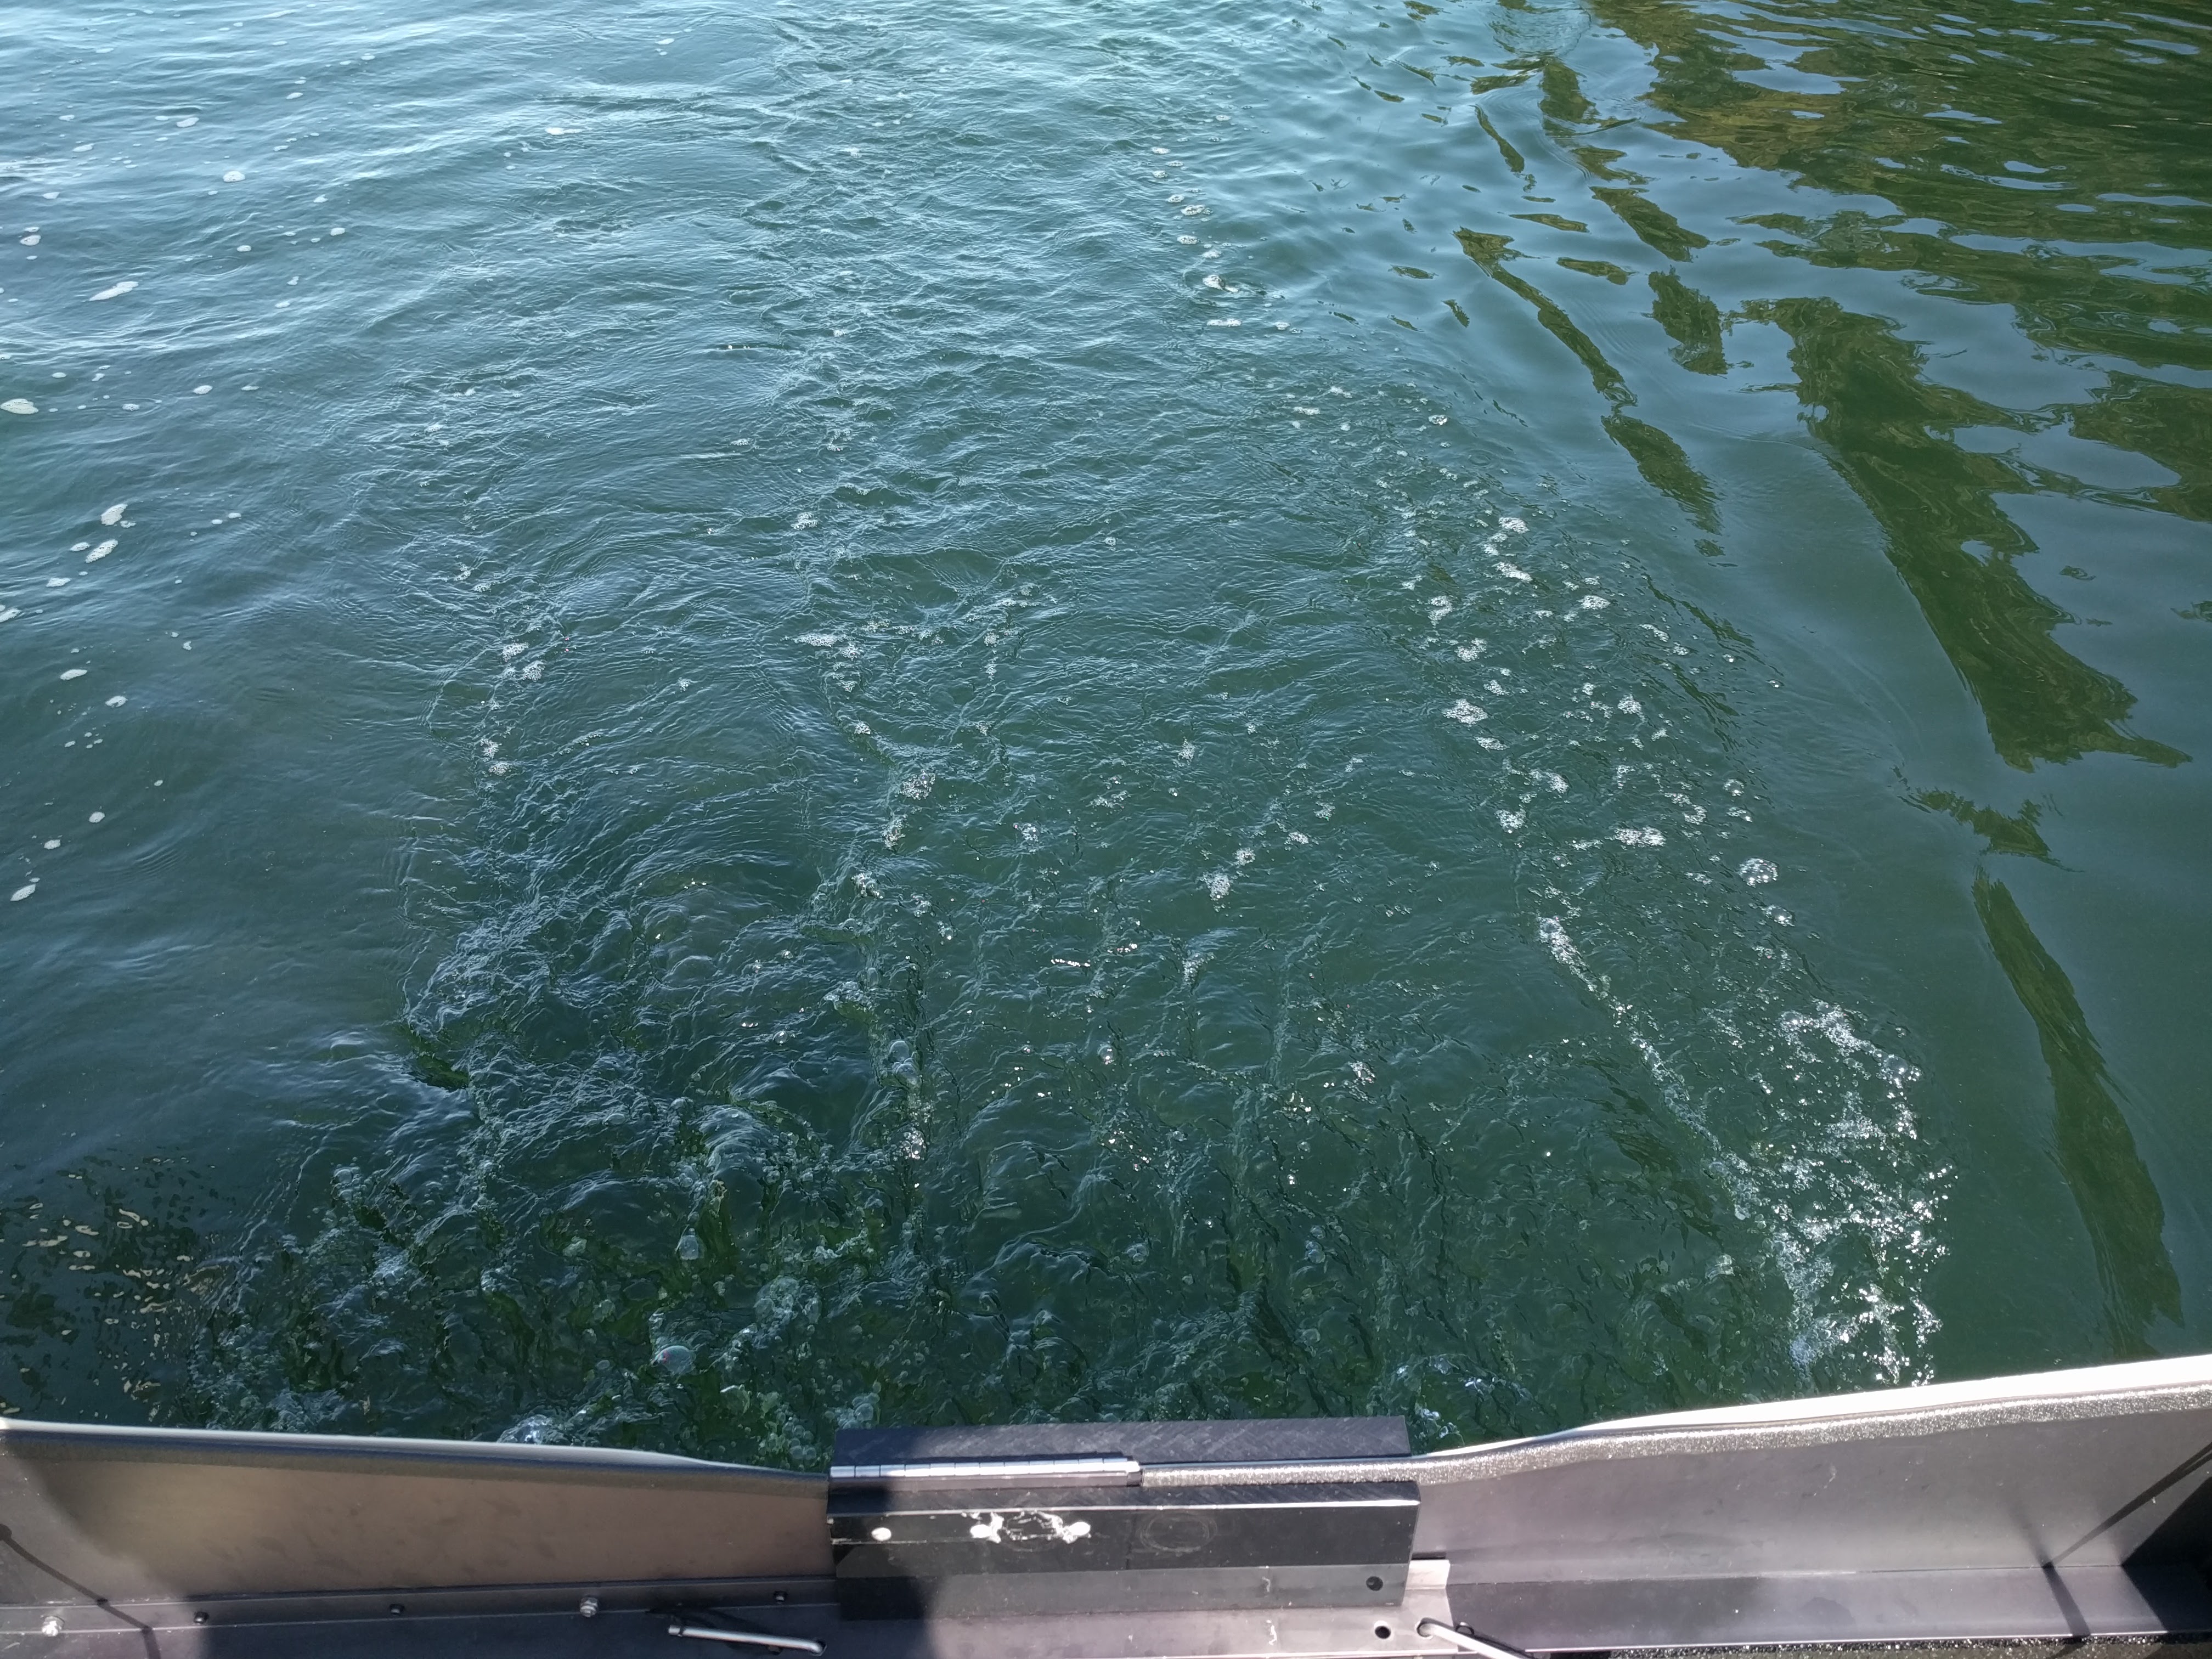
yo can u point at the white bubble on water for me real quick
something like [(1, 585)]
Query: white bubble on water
[(1438, 420), (234, 177), (1629, 706), (8, 613), (201, 390), (1594, 602), (113, 515), (536, 670), (1639, 838), (1551, 780), (97, 817), (53, 844), (1512, 821), (509, 652), (23, 892), (100, 552), (1439, 608), (1466, 712), (1217, 884), (31, 241), (116, 702), (804, 521), (57, 581), (1757, 872), (337, 230), (1513, 526), (1187, 753), (1488, 742), (1245, 855), (75, 673), (20, 406), (188, 121), (115, 291), (1513, 572)]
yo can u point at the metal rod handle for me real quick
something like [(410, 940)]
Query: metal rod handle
[(748, 1639), (1439, 1631)]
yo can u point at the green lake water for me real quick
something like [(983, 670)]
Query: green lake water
[(717, 720)]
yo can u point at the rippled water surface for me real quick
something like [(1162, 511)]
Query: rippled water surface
[(720, 720)]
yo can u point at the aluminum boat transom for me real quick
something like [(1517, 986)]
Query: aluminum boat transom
[(2067, 1506)]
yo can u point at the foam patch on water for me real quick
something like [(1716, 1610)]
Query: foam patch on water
[(116, 290)]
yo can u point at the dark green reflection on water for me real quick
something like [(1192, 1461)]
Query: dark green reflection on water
[(1890, 431), (2118, 1201), (1892, 435), (1662, 461)]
